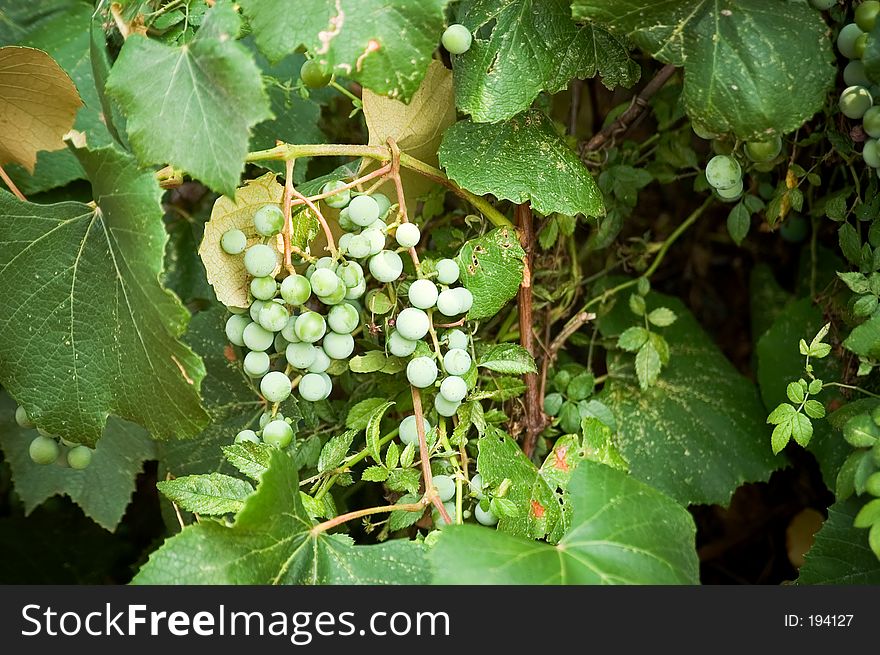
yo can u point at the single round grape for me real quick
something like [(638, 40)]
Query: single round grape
[(351, 273), (409, 431), (233, 242), (79, 457), (338, 346), (378, 224), (260, 260), (324, 282), (400, 346), (375, 238), (732, 193), (855, 101), (854, 74), (761, 151), (357, 291), (866, 15), (301, 355), (453, 389), (457, 339), (723, 172), (314, 75), (269, 220), (445, 487), (363, 210), (235, 326), (476, 485), (457, 39), (264, 288), (445, 407), (256, 337), (447, 271), (408, 235), (322, 361), (312, 387), (288, 332), (386, 266), (449, 302), (343, 319), (485, 517), (337, 296), (22, 418), (310, 327), (256, 363), (345, 240), (274, 317), (275, 386), (465, 299), (247, 435), (44, 450), (413, 323), (295, 289), (359, 247), (337, 200), (871, 122), (421, 372), (846, 40), (422, 294), (871, 153), (383, 202), (278, 433), (457, 361), (324, 262)]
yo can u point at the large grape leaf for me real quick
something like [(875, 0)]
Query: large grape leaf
[(622, 532), (192, 106), (102, 490), (523, 159), (385, 45), (90, 331), (524, 47), (271, 543), (700, 430), (841, 554), (751, 67), (491, 269)]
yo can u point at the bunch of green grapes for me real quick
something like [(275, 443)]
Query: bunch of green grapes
[(49, 449)]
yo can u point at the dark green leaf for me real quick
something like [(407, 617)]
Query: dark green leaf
[(840, 555), (491, 269), (211, 494), (509, 358)]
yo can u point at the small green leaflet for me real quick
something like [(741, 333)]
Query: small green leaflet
[(359, 414), (271, 543), (840, 554), (622, 532), (523, 47), (385, 45), (373, 433), (192, 106), (502, 158), (212, 494), (251, 459), (509, 358), (491, 269)]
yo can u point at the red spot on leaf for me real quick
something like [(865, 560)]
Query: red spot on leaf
[(560, 462), (229, 353), (537, 509)]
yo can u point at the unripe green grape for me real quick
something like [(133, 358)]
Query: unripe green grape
[(457, 339), (260, 260), (322, 361), (344, 242), (233, 242), (43, 450), (357, 291), (296, 290), (866, 15), (422, 294), (445, 407), (386, 266), (247, 435), (375, 238), (445, 487), (409, 431), (378, 224), (338, 346), (351, 273), (871, 153), (408, 235), (324, 282), (275, 386), (336, 297), (762, 151), (278, 433), (79, 457), (871, 122), (313, 74), (345, 222), (457, 361), (453, 389), (465, 299), (457, 39), (301, 355), (855, 101), (476, 485), (236, 310), (235, 326), (413, 323), (264, 288), (439, 521), (268, 220), (288, 332), (343, 319), (255, 309), (400, 346), (854, 74), (421, 372), (312, 387), (485, 517), (363, 210), (22, 418), (846, 40), (732, 193), (447, 271), (449, 303), (723, 172), (256, 363), (823, 5), (324, 262), (310, 327), (274, 316), (337, 200), (359, 247), (256, 337), (383, 202)]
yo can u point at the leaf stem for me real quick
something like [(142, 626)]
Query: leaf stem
[(11, 185), (285, 208), (841, 385), (343, 518)]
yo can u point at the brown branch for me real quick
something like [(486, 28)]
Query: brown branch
[(430, 491), (11, 185), (401, 198), (285, 207), (343, 518), (639, 105), (379, 172)]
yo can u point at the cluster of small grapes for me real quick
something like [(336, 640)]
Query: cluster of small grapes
[(48, 449), (857, 100), (725, 174)]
